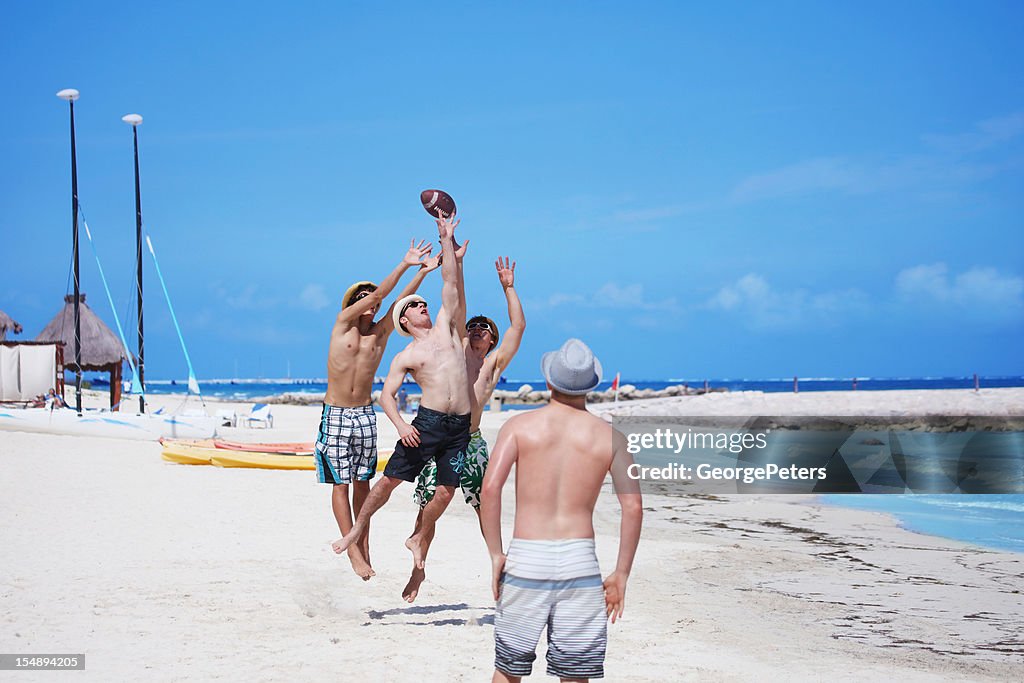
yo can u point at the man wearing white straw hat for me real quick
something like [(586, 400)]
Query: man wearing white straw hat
[(346, 444), (440, 431), (486, 359), (550, 577)]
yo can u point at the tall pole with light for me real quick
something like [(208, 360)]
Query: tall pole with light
[(70, 95), (134, 120)]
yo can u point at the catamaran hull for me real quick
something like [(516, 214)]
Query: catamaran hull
[(108, 425)]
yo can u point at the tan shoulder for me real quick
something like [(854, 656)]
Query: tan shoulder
[(340, 321), (600, 425), (403, 357), (521, 421)]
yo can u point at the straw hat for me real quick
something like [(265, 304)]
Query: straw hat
[(346, 299), (399, 311)]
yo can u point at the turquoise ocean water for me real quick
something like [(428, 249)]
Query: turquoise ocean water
[(988, 520)]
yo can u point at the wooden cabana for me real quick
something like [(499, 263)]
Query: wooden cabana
[(101, 349)]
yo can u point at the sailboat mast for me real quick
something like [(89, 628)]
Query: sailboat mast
[(70, 94), (134, 120), (138, 259)]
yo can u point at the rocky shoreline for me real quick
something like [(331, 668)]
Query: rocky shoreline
[(525, 395)]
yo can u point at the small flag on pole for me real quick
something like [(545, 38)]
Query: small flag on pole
[(615, 386)]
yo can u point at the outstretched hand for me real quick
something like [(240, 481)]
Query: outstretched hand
[(506, 273), (417, 252), (429, 264), (460, 250), (446, 226)]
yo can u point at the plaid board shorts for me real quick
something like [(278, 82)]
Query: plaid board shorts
[(471, 476), (346, 445)]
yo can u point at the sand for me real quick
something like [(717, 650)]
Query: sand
[(167, 572)]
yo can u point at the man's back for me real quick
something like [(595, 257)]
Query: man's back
[(564, 454), (550, 576)]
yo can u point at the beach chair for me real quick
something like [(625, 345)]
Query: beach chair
[(227, 417), (259, 416)]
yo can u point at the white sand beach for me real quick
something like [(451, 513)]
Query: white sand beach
[(167, 572)]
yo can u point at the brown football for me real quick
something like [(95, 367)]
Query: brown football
[(438, 200)]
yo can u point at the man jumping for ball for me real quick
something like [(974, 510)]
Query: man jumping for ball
[(346, 445), (484, 370), (440, 431)]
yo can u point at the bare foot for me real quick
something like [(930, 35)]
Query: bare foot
[(413, 544), (343, 543), (412, 588), (360, 566)]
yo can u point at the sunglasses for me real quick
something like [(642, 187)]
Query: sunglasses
[(478, 326), (361, 295), (416, 304)]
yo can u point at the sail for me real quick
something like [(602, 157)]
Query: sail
[(136, 386), (193, 383)]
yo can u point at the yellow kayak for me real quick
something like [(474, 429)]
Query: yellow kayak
[(192, 454), (263, 461), (188, 453)]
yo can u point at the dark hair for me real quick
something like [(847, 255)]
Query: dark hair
[(490, 325)]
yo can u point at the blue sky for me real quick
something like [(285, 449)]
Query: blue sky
[(726, 190)]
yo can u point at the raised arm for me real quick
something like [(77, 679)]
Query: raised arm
[(459, 320), (630, 500), (413, 257), (517, 321), (387, 324), (449, 313), (409, 435), (502, 458)]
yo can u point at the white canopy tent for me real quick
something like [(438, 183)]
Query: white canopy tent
[(28, 369)]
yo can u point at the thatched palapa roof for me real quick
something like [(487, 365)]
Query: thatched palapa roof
[(100, 347), (7, 323)]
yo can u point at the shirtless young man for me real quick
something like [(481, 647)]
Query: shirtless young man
[(484, 369), (440, 431), (346, 445), (550, 576)]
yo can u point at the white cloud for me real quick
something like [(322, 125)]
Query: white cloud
[(763, 306), (977, 287), (802, 177), (558, 299), (247, 298), (945, 162), (314, 298), (985, 135), (611, 295)]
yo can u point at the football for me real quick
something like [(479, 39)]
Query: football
[(438, 200)]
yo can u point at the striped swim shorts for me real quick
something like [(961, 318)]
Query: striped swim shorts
[(346, 445), (556, 584)]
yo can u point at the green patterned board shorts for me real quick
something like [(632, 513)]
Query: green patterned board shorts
[(471, 476)]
